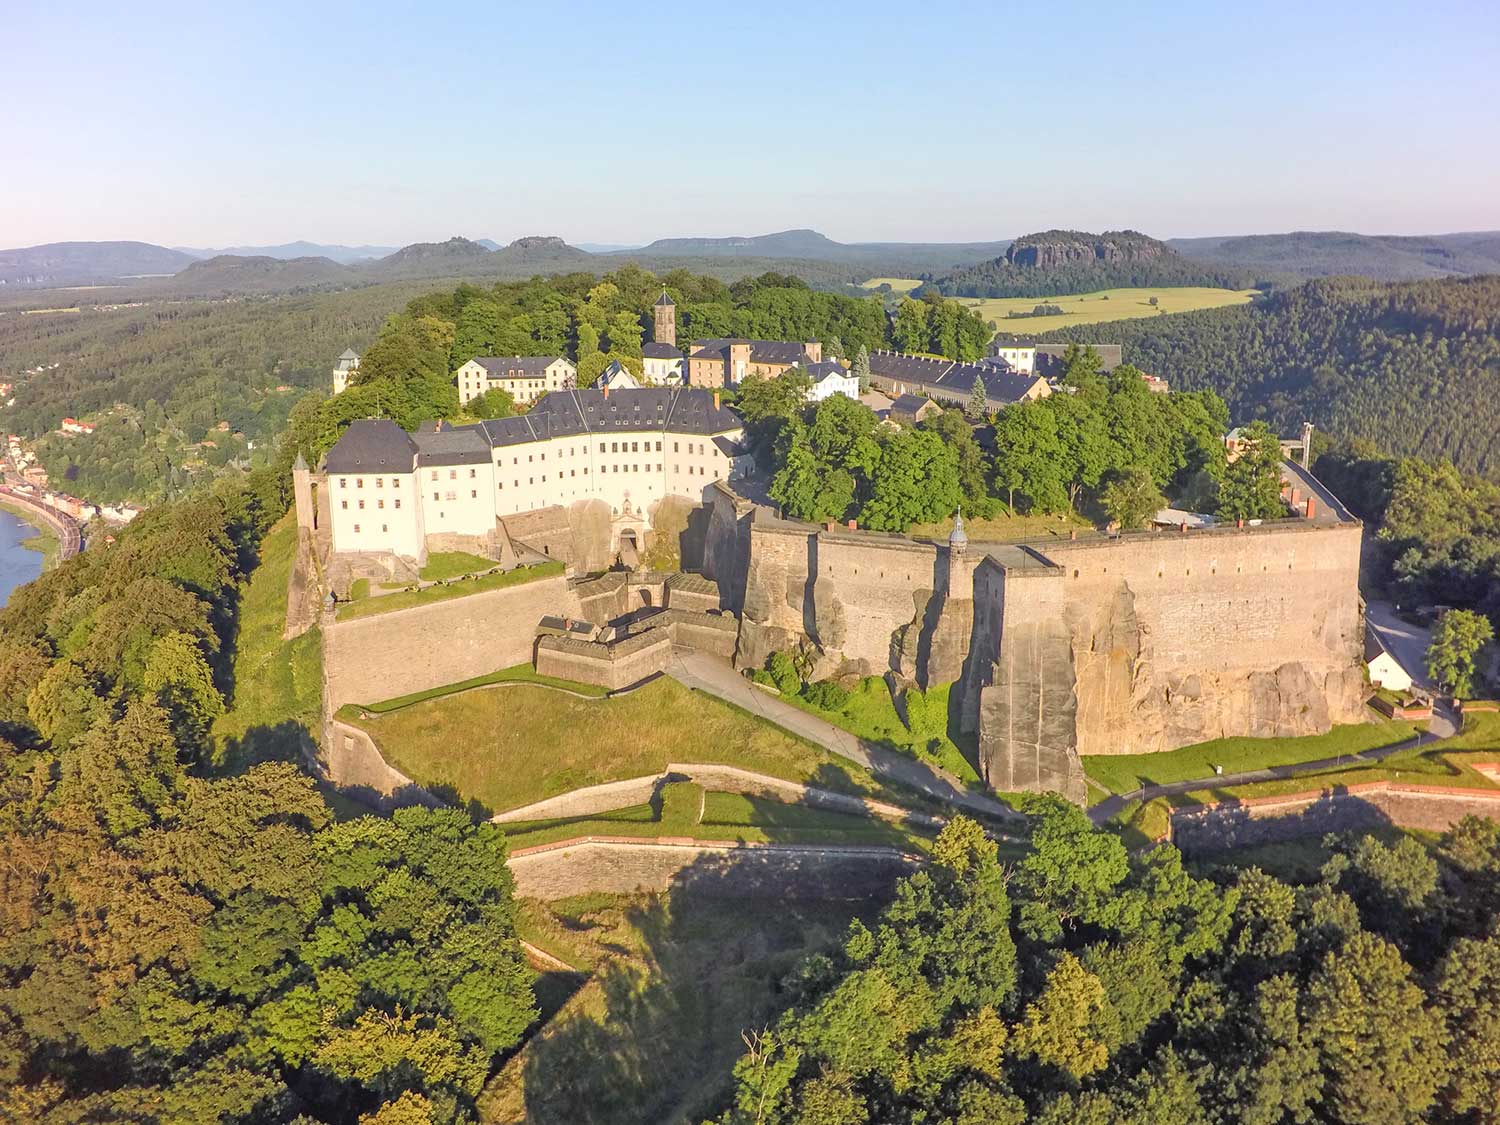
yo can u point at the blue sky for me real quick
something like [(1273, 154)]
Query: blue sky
[(392, 123)]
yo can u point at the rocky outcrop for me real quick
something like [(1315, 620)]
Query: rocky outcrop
[(1054, 248)]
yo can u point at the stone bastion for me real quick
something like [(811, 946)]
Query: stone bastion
[(1133, 643)]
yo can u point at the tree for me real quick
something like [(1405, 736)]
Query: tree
[(974, 470), (978, 404), (496, 402), (1468, 994), (183, 684), (916, 482), (1251, 487), (861, 369), (1028, 457), (1130, 498), (1456, 640), (65, 703)]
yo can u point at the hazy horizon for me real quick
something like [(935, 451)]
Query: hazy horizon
[(357, 126)]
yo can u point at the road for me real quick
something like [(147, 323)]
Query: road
[(714, 676), (1403, 640)]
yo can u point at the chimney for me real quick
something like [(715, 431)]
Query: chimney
[(1073, 534), (1311, 507), (716, 399), (853, 525), (1296, 497), (606, 390), (830, 526)]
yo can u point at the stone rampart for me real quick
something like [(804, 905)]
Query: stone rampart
[(622, 865), (384, 655), (1266, 820), (613, 664)]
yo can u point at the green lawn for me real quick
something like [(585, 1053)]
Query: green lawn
[(509, 748), (871, 714), (1006, 528), (1446, 762), (385, 603), (520, 673), (673, 981), (1125, 773), (898, 284), (1105, 304), (724, 816), (442, 565), (278, 685)]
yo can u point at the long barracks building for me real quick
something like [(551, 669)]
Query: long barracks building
[(389, 491)]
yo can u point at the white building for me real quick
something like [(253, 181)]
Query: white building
[(1383, 668), (1020, 358), (526, 378), (345, 366), (830, 377), (662, 364), (390, 490), (617, 377)]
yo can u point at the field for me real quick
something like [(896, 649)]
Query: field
[(512, 746), (899, 284), (277, 695), (672, 982), (1107, 304)]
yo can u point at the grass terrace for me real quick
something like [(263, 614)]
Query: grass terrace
[(406, 599), (443, 565), (1125, 773), (1007, 527), (686, 809), (503, 749), (1103, 305), (519, 674)]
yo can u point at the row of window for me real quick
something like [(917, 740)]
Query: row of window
[(614, 447), (378, 503), (359, 482)]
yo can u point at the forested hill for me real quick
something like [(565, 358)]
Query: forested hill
[(1412, 367), (1056, 262), (1329, 253)]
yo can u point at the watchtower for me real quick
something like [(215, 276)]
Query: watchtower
[(665, 329), (958, 546)]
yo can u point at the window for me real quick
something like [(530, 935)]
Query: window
[(356, 529), (674, 447), (398, 503), (451, 496), (434, 477), (601, 447), (396, 483), (343, 482), (359, 482), (452, 474), (614, 447), (379, 482), (380, 503), (658, 447), (361, 505), (384, 528), (345, 503), (528, 458), (472, 472), (434, 495), (635, 447), (473, 494)]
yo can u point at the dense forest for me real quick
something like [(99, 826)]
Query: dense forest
[(1057, 263), (1086, 985), (1411, 367), (185, 933)]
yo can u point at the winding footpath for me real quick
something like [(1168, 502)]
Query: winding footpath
[(714, 676)]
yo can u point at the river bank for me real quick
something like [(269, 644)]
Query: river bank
[(45, 542)]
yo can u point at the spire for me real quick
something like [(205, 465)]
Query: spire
[(663, 301), (300, 464), (958, 537)]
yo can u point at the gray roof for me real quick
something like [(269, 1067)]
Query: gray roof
[(936, 376), (688, 410), (349, 353), (664, 301), (516, 366), (1049, 357), (372, 445), (908, 404), (761, 351), (451, 445), (824, 368), (660, 351), (728, 446)]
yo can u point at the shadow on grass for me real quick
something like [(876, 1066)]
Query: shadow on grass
[(1232, 825)]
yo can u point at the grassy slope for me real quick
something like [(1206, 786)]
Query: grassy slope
[(277, 684), (521, 673), (674, 981), (686, 810), (452, 564), (1124, 773), (385, 603), (1106, 304), (509, 748)]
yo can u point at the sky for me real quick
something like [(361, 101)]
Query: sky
[(230, 124)]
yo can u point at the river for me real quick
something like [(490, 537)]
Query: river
[(19, 564)]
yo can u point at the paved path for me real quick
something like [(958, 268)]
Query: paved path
[(1403, 640), (714, 676), (1442, 726)]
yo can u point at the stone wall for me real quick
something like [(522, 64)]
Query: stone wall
[(1265, 820), (614, 665), (617, 865), (369, 659)]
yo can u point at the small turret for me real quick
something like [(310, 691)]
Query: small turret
[(958, 545), (664, 328), (302, 495), (958, 537)]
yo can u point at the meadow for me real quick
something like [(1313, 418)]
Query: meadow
[(1094, 308)]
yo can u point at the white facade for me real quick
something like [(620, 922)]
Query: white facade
[(376, 512), (662, 372), (346, 365), (1020, 358), (524, 378), (834, 384)]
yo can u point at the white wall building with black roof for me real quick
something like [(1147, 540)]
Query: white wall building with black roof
[(390, 491)]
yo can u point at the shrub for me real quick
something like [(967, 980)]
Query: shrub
[(783, 670), (826, 695)]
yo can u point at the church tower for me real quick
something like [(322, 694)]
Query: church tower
[(665, 330)]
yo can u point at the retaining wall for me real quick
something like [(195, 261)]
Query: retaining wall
[(621, 865), (385, 655), (1265, 820)]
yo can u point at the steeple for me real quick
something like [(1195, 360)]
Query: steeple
[(664, 329), (958, 537)]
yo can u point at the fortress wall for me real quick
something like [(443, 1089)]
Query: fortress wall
[(611, 666), (385, 655), (1184, 638), (726, 542), (867, 591), (776, 612)]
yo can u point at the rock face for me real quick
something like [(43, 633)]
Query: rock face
[(1109, 646), (1065, 247)]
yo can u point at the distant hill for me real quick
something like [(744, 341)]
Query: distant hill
[(231, 273), (487, 243), (1057, 262), (302, 249), (1303, 254), (430, 259), (541, 254), (872, 259), (85, 263)]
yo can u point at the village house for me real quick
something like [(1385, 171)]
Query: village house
[(830, 377), (908, 410)]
